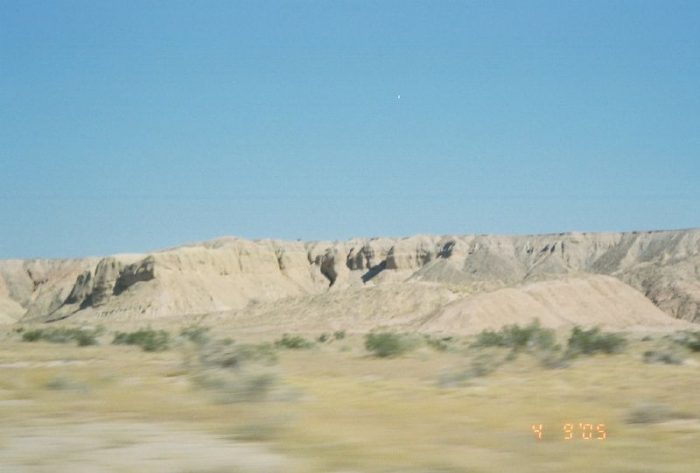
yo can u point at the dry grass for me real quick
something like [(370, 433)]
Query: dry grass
[(359, 413)]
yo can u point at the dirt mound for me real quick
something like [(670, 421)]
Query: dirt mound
[(586, 301)]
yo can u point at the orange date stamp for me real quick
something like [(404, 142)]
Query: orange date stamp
[(572, 431)]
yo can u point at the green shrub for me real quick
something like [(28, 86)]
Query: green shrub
[(86, 339), (323, 338), (553, 358), (483, 364), (339, 334), (690, 340), (60, 383), (227, 355), (532, 336), (235, 373), (32, 335), (591, 341), (148, 339), (438, 344), (651, 413), (293, 342), (456, 378), (232, 387), (62, 335), (196, 335), (388, 344), (665, 356)]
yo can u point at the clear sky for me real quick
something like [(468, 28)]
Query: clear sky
[(128, 126)]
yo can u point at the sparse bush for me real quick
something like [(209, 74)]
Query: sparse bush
[(32, 335), (148, 339), (388, 344), (261, 431), (665, 356), (293, 342), (261, 352), (62, 335), (195, 334), (483, 364), (690, 340), (60, 383), (241, 386), (228, 355), (553, 358), (530, 337), (86, 339), (235, 373), (490, 338), (455, 379), (438, 344), (651, 413), (591, 341), (323, 338), (339, 334)]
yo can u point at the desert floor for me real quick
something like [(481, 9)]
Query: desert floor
[(335, 408)]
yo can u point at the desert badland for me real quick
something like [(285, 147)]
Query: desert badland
[(457, 284), (419, 354)]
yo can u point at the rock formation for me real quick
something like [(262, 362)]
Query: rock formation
[(230, 274)]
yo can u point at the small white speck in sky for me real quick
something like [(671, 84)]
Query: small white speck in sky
[(398, 97)]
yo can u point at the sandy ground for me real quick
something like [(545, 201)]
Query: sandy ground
[(117, 446)]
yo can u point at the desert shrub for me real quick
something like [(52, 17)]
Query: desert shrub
[(455, 378), (230, 355), (591, 341), (60, 383), (62, 335), (233, 373), (293, 342), (260, 352), (651, 413), (553, 358), (323, 338), (86, 339), (240, 386), (32, 335), (664, 355), (263, 430), (490, 338), (690, 340), (148, 339), (517, 338), (339, 334), (195, 334), (438, 344), (483, 364), (388, 344)]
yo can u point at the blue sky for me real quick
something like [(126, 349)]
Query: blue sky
[(132, 125)]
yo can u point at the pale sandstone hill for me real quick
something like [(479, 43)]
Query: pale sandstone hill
[(244, 278), (592, 300), (588, 300)]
